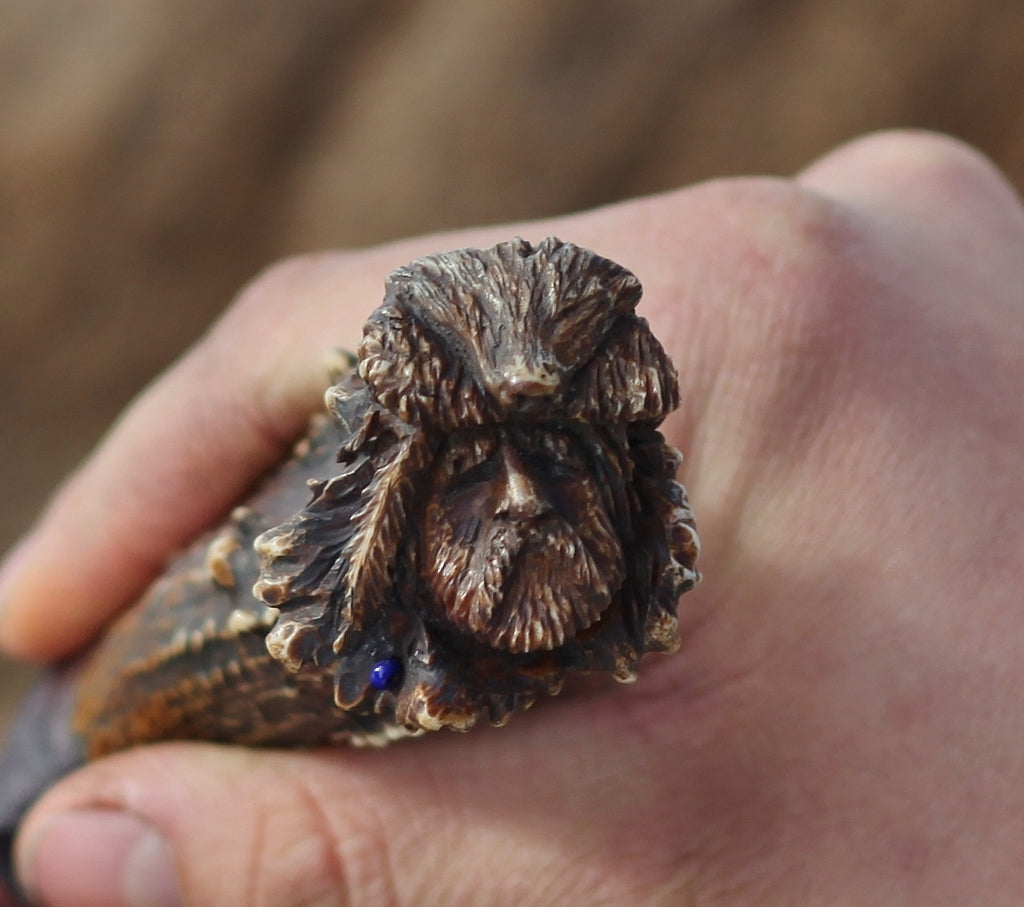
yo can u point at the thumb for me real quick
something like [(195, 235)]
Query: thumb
[(565, 815), (203, 824)]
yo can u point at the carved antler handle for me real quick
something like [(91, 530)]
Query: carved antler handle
[(492, 506)]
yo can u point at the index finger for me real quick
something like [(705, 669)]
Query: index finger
[(189, 447)]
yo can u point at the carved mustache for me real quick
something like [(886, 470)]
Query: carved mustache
[(523, 603)]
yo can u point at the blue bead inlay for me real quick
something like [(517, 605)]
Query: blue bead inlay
[(386, 674)]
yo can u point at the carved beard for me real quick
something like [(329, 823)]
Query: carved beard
[(528, 587)]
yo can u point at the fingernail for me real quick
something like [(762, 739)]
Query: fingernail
[(99, 857)]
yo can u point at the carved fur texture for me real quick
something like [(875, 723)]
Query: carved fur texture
[(505, 509)]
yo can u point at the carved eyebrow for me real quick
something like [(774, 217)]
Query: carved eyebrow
[(557, 437), (476, 441)]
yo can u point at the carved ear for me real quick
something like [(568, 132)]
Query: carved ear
[(409, 371), (301, 564), (580, 297), (325, 568), (665, 519), (380, 524), (630, 379)]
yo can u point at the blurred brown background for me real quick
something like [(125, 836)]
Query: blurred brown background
[(153, 156)]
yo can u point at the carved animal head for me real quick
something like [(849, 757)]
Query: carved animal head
[(505, 509)]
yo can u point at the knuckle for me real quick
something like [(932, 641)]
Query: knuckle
[(940, 173), (788, 250), (271, 394), (256, 828), (929, 158), (311, 855), (775, 226), (277, 285)]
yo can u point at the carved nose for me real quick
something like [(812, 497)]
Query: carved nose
[(517, 383), (522, 498)]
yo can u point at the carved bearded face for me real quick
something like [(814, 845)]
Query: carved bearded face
[(518, 548)]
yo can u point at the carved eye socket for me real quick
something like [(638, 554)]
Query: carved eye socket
[(467, 461), (482, 473), (548, 466), (552, 455)]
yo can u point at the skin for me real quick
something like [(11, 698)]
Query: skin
[(844, 725)]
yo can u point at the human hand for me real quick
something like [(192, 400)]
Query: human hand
[(842, 724)]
